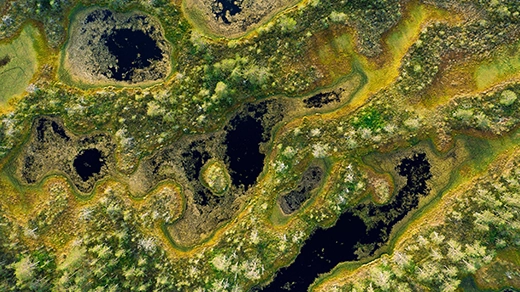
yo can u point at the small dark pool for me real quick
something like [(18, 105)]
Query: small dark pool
[(321, 99), (4, 60), (341, 243), (43, 126), (222, 7), (40, 129), (59, 130), (134, 49), (88, 163)]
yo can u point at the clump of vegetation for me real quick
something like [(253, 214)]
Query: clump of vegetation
[(51, 211), (216, 177), (495, 112), (164, 205)]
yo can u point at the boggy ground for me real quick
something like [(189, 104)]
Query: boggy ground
[(267, 247), (237, 147), (84, 159), (232, 18), (106, 47), (292, 201)]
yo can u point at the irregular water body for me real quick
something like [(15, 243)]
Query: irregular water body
[(59, 130), (223, 7), (243, 140), (321, 99), (193, 163), (328, 247), (104, 13), (134, 49)]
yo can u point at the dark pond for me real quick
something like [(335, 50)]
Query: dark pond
[(321, 99), (59, 130), (43, 127), (351, 237), (134, 49), (222, 7), (193, 161), (243, 140), (4, 60), (40, 129), (88, 163)]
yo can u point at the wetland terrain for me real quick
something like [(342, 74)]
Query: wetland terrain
[(313, 145)]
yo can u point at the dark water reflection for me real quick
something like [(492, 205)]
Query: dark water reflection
[(351, 238), (134, 49), (223, 8), (88, 163), (243, 140)]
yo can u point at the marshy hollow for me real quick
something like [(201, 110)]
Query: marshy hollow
[(233, 18), (4, 60), (109, 47), (237, 150), (311, 179), (359, 232), (51, 148)]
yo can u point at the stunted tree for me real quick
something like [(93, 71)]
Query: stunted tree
[(507, 97), (24, 271)]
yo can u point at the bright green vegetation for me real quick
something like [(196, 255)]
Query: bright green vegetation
[(504, 64), (18, 63), (405, 32), (376, 67), (369, 119)]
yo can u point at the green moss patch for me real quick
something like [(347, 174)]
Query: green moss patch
[(503, 65), (17, 64)]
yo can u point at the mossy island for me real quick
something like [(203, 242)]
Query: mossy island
[(215, 176)]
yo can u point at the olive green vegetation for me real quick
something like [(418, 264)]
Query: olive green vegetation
[(405, 32), (18, 63)]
